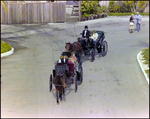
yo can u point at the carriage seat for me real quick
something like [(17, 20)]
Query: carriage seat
[(61, 68), (66, 53), (100, 34), (69, 67)]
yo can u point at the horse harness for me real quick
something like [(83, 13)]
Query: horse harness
[(74, 45), (60, 77)]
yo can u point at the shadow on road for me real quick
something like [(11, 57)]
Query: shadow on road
[(67, 92)]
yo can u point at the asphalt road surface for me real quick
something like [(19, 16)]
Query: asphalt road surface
[(113, 86)]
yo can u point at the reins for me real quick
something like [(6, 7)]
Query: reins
[(73, 46)]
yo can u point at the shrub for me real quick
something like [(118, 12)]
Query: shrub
[(90, 7), (134, 6), (111, 6), (114, 8), (103, 9)]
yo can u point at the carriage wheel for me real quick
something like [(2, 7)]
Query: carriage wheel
[(50, 83), (99, 49), (76, 84), (92, 55), (81, 75), (104, 48)]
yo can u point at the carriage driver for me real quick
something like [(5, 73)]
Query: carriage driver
[(85, 34)]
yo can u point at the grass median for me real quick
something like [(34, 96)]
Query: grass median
[(126, 14), (5, 47), (145, 53)]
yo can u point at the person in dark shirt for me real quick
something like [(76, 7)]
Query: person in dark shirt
[(131, 23), (85, 34)]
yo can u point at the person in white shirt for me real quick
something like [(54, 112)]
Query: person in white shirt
[(95, 37), (138, 19)]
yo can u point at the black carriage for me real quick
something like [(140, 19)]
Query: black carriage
[(74, 74), (101, 46)]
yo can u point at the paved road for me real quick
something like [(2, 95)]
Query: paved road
[(113, 86)]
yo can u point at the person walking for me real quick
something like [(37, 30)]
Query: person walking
[(138, 19), (131, 23)]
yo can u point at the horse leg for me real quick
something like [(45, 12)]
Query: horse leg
[(64, 91), (57, 96), (60, 95)]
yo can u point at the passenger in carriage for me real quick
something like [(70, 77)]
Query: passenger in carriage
[(91, 36), (73, 55), (95, 37), (73, 59), (63, 59)]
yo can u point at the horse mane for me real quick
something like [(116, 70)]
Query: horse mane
[(71, 45), (58, 77), (74, 46)]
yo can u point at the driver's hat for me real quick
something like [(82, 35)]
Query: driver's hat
[(86, 27)]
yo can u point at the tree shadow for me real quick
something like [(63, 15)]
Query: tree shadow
[(87, 57), (7, 33), (14, 38), (14, 44), (142, 44)]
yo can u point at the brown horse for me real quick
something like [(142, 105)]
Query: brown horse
[(76, 46), (60, 85)]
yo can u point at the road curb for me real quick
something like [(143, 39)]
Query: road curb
[(7, 53), (140, 63)]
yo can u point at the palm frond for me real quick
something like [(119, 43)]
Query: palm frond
[(4, 5)]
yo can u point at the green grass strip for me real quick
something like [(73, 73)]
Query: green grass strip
[(126, 14), (145, 53), (5, 47)]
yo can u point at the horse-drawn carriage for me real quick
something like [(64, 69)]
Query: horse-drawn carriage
[(66, 73), (101, 46)]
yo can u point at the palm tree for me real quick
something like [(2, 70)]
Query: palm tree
[(3, 2), (4, 5)]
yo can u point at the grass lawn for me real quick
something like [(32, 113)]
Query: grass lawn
[(145, 53), (5, 47), (126, 14)]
